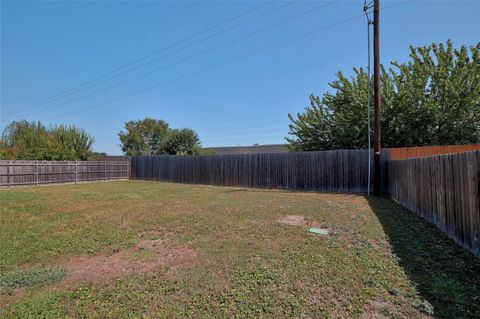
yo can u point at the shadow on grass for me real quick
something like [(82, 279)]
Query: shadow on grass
[(446, 275)]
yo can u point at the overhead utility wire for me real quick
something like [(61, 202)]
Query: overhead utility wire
[(223, 63), (187, 58), (158, 51), (211, 67), (14, 114)]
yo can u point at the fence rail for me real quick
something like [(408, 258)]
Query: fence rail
[(444, 190), (344, 171), (15, 173)]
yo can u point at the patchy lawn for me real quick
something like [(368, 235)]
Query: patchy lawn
[(129, 249)]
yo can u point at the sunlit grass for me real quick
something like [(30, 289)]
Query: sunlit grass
[(249, 266)]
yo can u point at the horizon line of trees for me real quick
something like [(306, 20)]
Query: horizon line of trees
[(23, 140)]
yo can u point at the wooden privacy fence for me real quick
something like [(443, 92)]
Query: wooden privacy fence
[(344, 170), (13, 173), (399, 153), (444, 190)]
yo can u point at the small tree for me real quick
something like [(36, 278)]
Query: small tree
[(144, 137), (72, 142), (154, 137), (33, 141), (181, 142)]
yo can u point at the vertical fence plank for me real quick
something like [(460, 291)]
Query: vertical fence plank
[(328, 170), (444, 190), (13, 173)]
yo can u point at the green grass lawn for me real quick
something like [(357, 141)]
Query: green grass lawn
[(133, 249)]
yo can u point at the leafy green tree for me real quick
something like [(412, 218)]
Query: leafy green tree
[(433, 99), (181, 142), (144, 137), (25, 140), (154, 137), (72, 142), (33, 141)]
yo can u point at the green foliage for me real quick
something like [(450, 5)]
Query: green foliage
[(33, 277), (24, 140), (433, 99), (96, 156), (154, 137), (206, 151), (143, 137), (181, 142)]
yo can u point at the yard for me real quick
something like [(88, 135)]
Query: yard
[(129, 249)]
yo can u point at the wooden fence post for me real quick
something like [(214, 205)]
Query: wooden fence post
[(76, 172), (104, 170)]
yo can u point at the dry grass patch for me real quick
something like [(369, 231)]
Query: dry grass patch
[(147, 256)]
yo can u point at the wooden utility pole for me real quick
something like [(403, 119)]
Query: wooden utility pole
[(377, 98)]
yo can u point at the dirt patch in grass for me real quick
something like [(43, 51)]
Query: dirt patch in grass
[(147, 256), (297, 220)]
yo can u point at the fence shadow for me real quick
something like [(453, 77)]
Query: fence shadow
[(446, 275)]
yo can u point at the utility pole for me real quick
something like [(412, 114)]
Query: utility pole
[(367, 7), (377, 97)]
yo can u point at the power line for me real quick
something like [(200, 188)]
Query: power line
[(222, 63), (157, 51), (212, 66), (250, 34), (152, 61)]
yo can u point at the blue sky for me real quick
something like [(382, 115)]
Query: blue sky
[(48, 47)]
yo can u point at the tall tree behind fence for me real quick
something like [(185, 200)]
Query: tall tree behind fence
[(344, 170), (13, 173), (444, 190)]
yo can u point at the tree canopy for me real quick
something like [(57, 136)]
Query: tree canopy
[(155, 137), (22, 140), (433, 99)]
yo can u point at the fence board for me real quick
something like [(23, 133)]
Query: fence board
[(14, 173), (399, 153), (444, 190), (344, 170)]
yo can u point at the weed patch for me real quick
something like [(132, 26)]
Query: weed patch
[(33, 277)]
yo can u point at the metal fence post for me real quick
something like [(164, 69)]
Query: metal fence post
[(36, 173)]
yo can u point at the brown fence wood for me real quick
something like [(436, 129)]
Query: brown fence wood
[(343, 171), (14, 173), (444, 190), (399, 153)]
